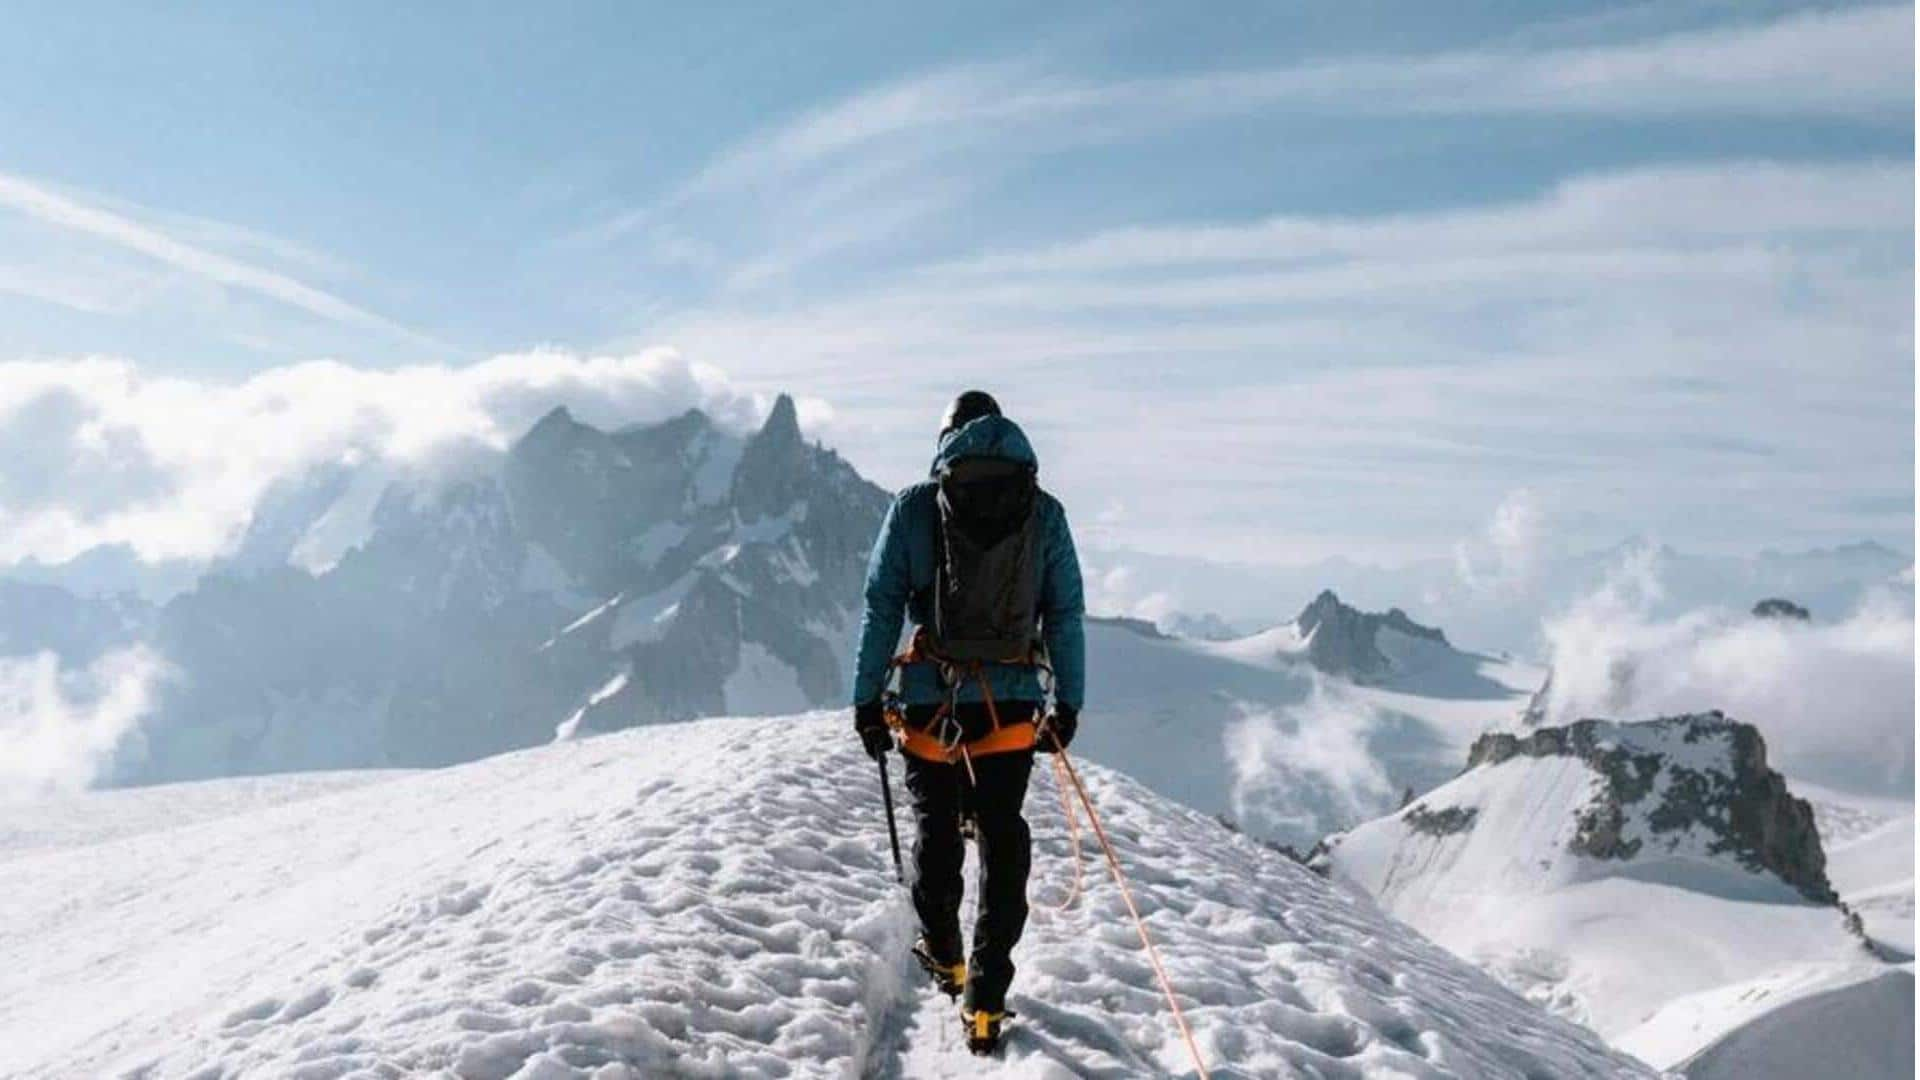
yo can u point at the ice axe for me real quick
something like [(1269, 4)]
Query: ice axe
[(893, 831)]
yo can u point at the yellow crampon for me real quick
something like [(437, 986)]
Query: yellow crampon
[(983, 1029), (950, 978)]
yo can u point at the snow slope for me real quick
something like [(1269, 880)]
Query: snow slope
[(1849, 1030), (1799, 1021), (1874, 876), (705, 899)]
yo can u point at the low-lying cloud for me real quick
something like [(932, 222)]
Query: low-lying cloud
[(1834, 700), (104, 451), (62, 726), (1115, 589), (1509, 555), (1306, 769)]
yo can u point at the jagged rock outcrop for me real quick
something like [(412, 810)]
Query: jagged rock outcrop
[(1345, 641), (1677, 780), (1606, 870), (1442, 822)]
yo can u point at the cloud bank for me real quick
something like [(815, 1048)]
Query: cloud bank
[(1835, 701), (1301, 768), (104, 451)]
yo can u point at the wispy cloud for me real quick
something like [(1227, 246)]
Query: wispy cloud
[(1642, 337), (62, 727), (1672, 207), (1826, 62), (71, 214), (877, 178)]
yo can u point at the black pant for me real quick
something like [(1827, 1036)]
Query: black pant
[(992, 796)]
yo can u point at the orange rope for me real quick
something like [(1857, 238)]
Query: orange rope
[(1073, 834), (1126, 894)]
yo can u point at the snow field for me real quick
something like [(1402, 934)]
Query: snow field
[(1843, 1031), (709, 899)]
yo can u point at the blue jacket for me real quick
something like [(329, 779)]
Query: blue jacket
[(900, 579)]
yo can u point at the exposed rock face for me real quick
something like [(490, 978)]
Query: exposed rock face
[(1775, 607), (1443, 822), (1679, 779), (1346, 641), (591, 580)]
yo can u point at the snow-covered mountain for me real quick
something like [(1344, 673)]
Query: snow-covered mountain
[(701, 899), (1369, 648), (1500, 606), (592, 580), (1626, 875), (37, 618), (587, 580), (1299, 730)]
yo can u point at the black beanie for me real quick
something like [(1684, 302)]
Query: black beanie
[(971, 405)]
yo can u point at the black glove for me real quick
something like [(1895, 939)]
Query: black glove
[(1062, 725), (870, 723)]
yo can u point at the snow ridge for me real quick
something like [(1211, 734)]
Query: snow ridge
[(707, 899)]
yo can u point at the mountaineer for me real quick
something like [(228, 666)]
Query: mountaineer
[(982, 560)]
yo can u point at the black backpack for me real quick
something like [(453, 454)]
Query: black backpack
[(986, 586)]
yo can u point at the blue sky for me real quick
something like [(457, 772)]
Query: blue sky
[(1270, 282)]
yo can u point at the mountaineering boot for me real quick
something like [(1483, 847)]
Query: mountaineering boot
[(983, 1029), (949, 977)]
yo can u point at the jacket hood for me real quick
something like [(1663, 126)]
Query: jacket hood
[(986, 436)]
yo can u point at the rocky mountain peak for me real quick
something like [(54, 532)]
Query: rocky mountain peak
[(774, 466), (1343, 640), (783, 422), (1690, 784), (558, 422)]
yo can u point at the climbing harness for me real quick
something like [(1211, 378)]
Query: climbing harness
[(943, 738)]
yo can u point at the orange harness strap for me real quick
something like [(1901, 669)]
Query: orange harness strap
[(928, 747), (925, 745)]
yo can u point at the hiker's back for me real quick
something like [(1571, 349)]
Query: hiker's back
[(987, 564)]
